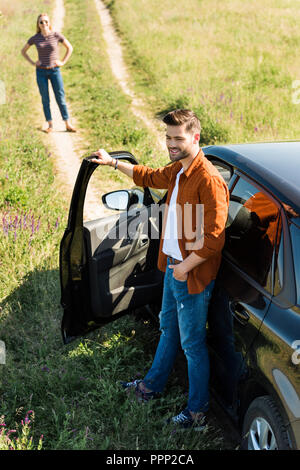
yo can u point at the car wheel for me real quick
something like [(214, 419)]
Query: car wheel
[(263, 426)]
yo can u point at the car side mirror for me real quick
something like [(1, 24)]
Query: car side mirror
[(116, 200)]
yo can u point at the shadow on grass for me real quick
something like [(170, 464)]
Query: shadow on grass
[(72, 389), (31, 313)]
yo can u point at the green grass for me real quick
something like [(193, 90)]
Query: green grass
[(71, 389), (32, 214), (101, 108), (232, 62), (30, 204)]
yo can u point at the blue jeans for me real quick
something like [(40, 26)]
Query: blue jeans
[(183, 322), (54, 75)]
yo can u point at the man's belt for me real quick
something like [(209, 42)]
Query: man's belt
[(173, 260)]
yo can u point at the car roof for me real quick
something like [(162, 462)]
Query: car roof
[(275, 165)]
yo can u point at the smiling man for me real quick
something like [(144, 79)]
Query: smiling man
[(190, 262)]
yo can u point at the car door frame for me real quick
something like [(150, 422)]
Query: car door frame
[(74, 300)]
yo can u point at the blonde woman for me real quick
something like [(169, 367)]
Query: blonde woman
[(48, 67)]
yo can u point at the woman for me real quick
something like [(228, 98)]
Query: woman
[(47, 67)]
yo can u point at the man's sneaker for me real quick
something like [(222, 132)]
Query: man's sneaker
[(185, 421), (128, 385), (141, 395)]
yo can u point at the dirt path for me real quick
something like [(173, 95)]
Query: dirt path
[(118, 67), (68, 148)]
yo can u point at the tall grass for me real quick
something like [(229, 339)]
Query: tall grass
[(233, 62), (30, 206), (32, 216)]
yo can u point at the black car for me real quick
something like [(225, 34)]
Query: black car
[(108, 269)]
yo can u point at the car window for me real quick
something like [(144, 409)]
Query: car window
[(295, 236), (157, 194), (251, 231), (224, 170), (279, 268)]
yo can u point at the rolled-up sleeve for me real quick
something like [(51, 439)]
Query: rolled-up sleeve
[(158, 178), (215, 198)]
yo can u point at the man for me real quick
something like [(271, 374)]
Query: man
[(190, 258)]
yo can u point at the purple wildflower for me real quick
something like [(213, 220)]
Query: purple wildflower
[(38, 224)]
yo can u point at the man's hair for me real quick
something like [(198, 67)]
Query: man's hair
[(183, 116)]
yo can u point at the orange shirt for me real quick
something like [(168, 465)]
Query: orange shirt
[(267, 213), (201, 183)]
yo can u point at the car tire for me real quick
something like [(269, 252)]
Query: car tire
[(263, 426)]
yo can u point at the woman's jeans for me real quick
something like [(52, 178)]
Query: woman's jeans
[(54, 75), (183, 321)]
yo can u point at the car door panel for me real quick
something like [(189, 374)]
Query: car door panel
[(108, 266), (243, 291), (236, 312), (118, 270)]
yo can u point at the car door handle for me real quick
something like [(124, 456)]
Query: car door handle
[(239, 312)]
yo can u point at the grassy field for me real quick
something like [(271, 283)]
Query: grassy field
[(54, 396), (233, 62)]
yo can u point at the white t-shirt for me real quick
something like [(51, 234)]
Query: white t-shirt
[(170, 243)]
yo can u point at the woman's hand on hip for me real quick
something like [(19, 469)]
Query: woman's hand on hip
[(59, 63)]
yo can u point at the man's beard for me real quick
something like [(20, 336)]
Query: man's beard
[(179, 156)]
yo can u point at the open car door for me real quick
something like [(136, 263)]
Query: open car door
[(108, 266)]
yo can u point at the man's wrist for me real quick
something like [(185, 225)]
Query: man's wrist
[(184, 268), (114, 163), (191, 262)]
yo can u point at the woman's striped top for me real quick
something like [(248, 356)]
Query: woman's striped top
[(47, 47)]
